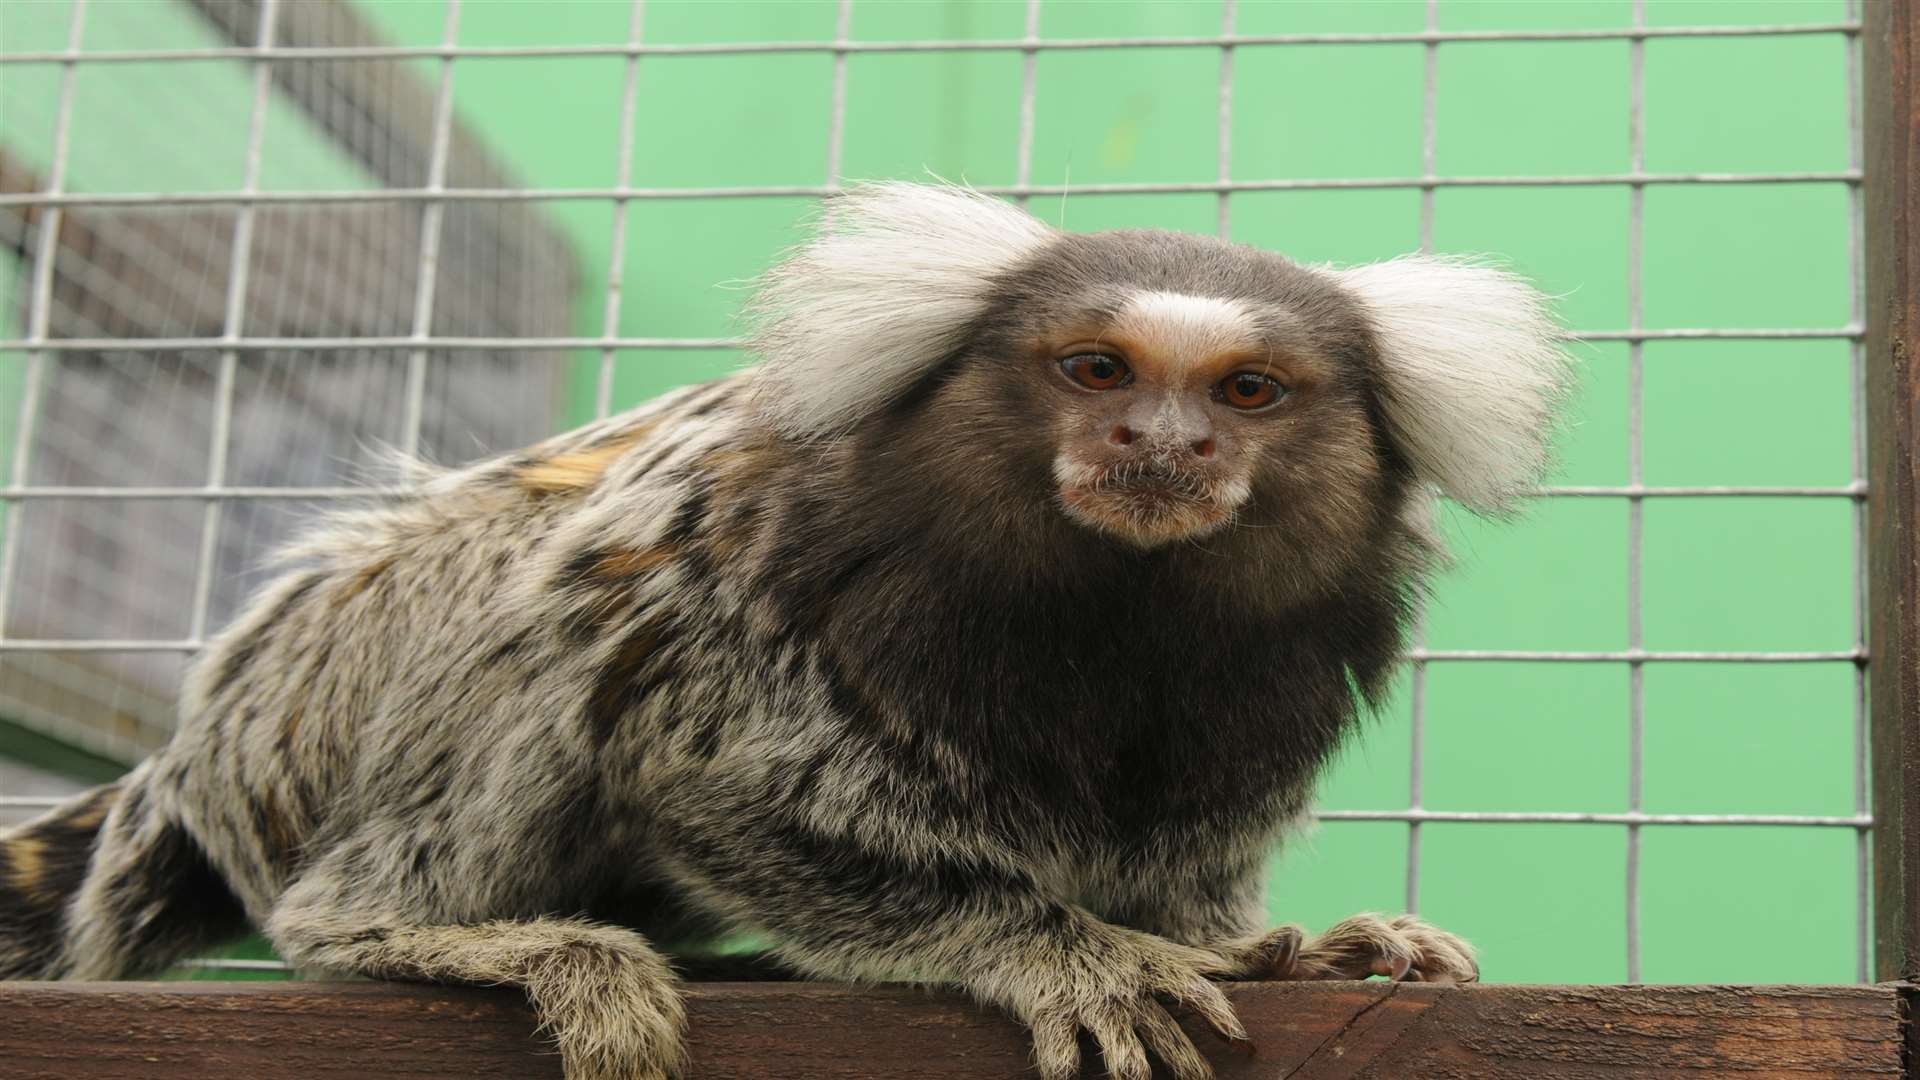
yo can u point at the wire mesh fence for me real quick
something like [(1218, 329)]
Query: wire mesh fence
[(198, 361)]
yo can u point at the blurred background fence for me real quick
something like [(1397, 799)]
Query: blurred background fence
[(246, 242)]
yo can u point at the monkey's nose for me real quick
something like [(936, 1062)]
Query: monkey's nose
[(1168, 433), (1164, 445)]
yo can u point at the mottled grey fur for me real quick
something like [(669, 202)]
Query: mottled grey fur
[(868, 693)]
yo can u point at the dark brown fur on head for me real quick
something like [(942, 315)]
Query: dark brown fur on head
[(961, 495), (1289, 504)]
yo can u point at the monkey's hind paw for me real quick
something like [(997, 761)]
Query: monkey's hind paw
[(1402, 948)]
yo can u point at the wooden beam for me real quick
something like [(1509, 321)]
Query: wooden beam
[(1891, 40), (804, 1031)]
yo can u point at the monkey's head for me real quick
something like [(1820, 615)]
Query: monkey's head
[(1154, 387)]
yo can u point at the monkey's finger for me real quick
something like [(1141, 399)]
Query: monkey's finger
[(1438, 955), (1206, 999), (1056, 1048), (1469, 972), (1446, 961), (1282, 951), (1268, 956), (1171, 1045), (1394, 963), (1119, 1046), (1273, 954), (1357, 947)]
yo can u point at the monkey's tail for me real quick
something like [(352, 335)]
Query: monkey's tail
[(106, 886), (42, 865)]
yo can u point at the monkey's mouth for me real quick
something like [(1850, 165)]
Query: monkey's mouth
[(1143, 505)]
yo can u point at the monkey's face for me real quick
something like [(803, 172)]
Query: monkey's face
[(1166, 409), (978, 368), (1174, 408)]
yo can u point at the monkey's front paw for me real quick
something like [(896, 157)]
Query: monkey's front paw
[(1401, 948), (1114, 993)]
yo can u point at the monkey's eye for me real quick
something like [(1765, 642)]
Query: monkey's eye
[(1249, 390), (1096, 371)]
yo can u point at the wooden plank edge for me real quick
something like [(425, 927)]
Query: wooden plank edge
[(814, 1031)]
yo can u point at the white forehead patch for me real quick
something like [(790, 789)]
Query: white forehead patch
[(1187, 329)]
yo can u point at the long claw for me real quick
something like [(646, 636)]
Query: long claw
[(1288, 953), (1394, 966)]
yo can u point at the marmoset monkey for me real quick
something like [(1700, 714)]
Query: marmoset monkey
[(990, 632)]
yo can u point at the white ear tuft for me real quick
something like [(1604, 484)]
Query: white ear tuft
[(1474, 372), (852, 318)]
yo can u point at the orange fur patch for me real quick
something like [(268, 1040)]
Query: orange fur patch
[(290, 728), (278, 831), (28, 857), (632, 562), (734, 473), (90, 816), (580, 469), (736, 470), (358, 583)]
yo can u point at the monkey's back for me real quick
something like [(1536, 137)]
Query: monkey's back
[(430, 668)]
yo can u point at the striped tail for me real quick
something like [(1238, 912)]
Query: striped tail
[(108, 886), (43, 863)]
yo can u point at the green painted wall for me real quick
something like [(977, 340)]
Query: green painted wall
[(1545, 902)]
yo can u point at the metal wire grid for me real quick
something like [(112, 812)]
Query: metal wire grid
[(421, 342)]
